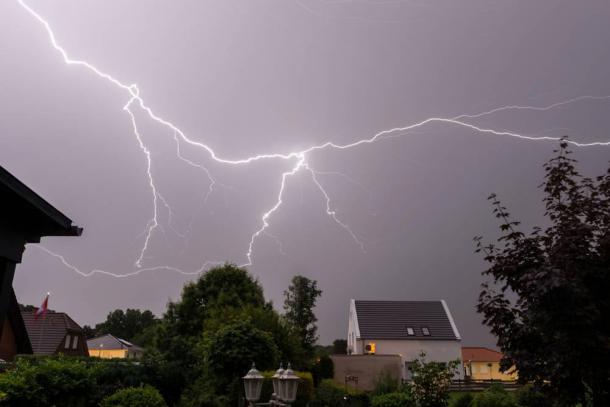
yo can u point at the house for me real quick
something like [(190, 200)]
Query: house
[(404, 328), (24, 218), (109, 346), (484, 364), (55, 333)]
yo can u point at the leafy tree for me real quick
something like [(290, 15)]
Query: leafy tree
[(144, 396), (299, 301), (431, 381), (548, 301), (88, 331), (128, 324), (226, 355), (340, 347)]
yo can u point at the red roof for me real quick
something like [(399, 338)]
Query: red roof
[(480, 354)]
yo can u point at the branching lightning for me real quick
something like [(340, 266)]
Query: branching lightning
[(298, 159)]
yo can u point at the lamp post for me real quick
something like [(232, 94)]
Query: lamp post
[(253, 383), (285, 386)]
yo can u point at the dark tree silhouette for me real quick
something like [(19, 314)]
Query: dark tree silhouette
[(548, 301), (299, 302)]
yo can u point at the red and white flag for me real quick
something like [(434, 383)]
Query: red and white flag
[(40, 312)]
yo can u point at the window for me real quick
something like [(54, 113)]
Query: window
[(75, 342), (425, 331), (370, 348), (410, 331), (67, 344)]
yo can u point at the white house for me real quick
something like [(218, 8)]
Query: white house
[(404, 328)]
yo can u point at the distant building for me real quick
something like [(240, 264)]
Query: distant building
[(24, 218), (109, 346), (484, 364), (55, 333), (403, 328)]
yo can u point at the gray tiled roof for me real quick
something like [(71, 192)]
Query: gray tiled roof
[(109, 341), (390, 319)]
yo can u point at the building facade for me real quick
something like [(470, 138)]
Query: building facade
[(109, 346), (484, 364), (55, 333), (406, 329)]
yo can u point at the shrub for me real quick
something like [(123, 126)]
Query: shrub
[(146, 396), (397, 399), (305, 391), (495, 396), (331, 393), (431, 381), (462, 400), (385, 383), (324, 368), (530, 396)]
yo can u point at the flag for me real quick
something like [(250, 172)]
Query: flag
[(40, 312)]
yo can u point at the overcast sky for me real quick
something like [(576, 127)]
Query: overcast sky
[(258, 77)]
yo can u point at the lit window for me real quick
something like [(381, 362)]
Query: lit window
[(67, 344), (410, 331), (370, 348), (425, 331), (75, 342)]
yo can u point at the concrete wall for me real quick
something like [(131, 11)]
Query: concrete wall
[(366, 368), (410, 349)]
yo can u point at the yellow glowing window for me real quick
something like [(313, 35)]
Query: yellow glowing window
[(370, 347)]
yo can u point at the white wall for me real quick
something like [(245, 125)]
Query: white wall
[(410, 349)]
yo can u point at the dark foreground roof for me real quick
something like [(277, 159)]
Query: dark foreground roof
[(109, 341), (391, 320), (31, 212), (48, 332)]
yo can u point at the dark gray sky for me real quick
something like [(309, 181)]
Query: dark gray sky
[(257, 77)]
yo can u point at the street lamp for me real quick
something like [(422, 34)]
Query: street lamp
[(289, 383), (276, 379), (253, 383)]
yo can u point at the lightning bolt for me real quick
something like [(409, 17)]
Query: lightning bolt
[(298, 158)]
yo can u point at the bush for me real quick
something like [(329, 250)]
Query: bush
[(398, 399), (305, 391), (385, 383), (495, 396), (462, 400), (530, 396), (324, 368), (331, 393), (146, 396)]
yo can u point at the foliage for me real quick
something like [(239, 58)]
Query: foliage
[(228, 352), (67, 381), (88, 332), (340, 347), (431, 381), (130, 324), (462, 400), (396, 399), (145, 396), (495, 396), (385, 383), (299, 302), (46, 383), (330, 393), (530, 396), (323, 368), (305, 391), (548, 300)]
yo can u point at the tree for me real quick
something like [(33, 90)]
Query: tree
[(340, 347), (431, 381), (299, 301), (548, 301), (88, 332), (128, 324)]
